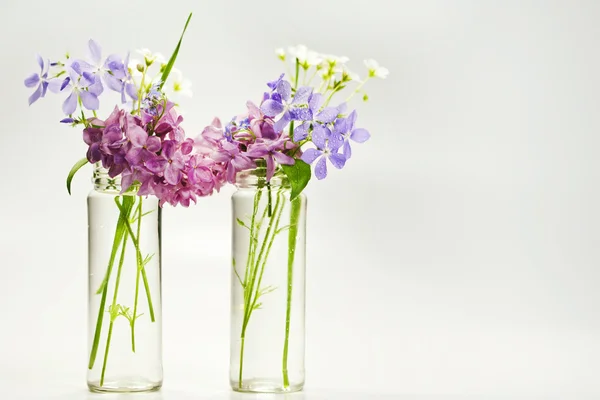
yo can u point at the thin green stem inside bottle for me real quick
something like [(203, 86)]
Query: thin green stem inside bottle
[(113, 310), (255, 264), (292, 239), (123, 234)]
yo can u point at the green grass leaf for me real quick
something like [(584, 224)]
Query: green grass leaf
[(171, 62), (241, 223), (299, 174), (73, 171), (147, 259)]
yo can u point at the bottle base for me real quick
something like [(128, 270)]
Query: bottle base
[(265, 386), (124, 386)]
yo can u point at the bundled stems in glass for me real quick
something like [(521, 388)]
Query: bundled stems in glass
[(123, 234), (255, 267), (263, 224)]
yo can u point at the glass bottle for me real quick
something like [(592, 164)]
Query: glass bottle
[(124, 307), (267, 285)]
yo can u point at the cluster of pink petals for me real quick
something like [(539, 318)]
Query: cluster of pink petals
[(153, 152), (248, 138)]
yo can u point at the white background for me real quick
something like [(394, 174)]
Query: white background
[(457, 253)]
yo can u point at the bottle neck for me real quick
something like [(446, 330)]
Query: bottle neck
[(105, 184), (257, 179)]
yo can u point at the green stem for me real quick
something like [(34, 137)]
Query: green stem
[(112, 310), (141, 267), (357, 89), (110, 328), (140, 93), (292, 239), (264, 261), (243, 338), (313, 76), (137, 276), (119, 233), (269, 202), (263, 249), (250, 294), (253, 242)]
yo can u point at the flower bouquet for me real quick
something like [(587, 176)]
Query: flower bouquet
[(142, 160), (268, 152)]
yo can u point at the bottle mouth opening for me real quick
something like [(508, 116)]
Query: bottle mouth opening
[(104, 183), (257, 177)]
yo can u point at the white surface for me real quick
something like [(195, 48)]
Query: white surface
[(456, 254)]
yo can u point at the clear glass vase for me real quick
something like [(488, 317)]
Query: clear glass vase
[(124, 310), (267, 285)]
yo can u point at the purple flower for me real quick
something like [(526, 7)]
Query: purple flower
[(326, 150), (261, 126), (143, 147), (315, 116), (273, 85), (314, 104), (145, 178), (41, 80), (169, 163), (234, 160), (116, 164), (93, 138), (281, 101), (271, 151), (113, 71), (78, 84), (344, 130), (200, 175)]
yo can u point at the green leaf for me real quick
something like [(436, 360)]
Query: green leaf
[(147, 259), (236, 273), (299, 175), (171, 62), (267, 290), (73, 171), (241, 223), (283, 228)]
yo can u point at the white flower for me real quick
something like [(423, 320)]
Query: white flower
[(151, 58), (349, 75), (136, 68), (330, 59), (280, 54), (306, 58), (346, 74), (325, 73), (133, 67), (375, 70), (177, 85)]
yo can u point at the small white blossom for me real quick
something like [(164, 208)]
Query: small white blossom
[(280, 54), (325, 73), (150, 58), (135, 69), (332, 60), (375, 70), (346, 74), (350, 75), (177, 85), (307, 58)]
